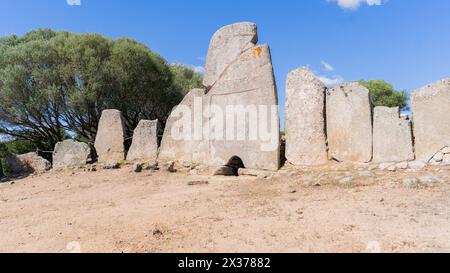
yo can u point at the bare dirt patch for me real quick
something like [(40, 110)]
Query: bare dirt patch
[(314, 211)]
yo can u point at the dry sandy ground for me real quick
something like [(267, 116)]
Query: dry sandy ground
[(121, 211)]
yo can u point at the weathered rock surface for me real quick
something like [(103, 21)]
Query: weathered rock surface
[(111, 166), (446, 160), (240, 82), (431, 108), (248, 84), (26, 164), (168, 166), (349, 123), (392, 136), (227, 44), (305, 119), (70, 154), (145, 141), (386, 166), (402, 165), (441, 158), (109, 142), (438, 157), (153, 165), (178, 141), (137, 167), (417, 165)]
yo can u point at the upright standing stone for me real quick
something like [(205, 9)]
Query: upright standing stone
[(246, 89), (305, 119), (240, 85), (225, 47), (431, 108), (145, 141), (392, 136), (70, 154), (349, 123), (109, 142)]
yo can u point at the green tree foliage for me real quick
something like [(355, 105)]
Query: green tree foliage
[(19, 146), (185, 79), (384, 94), (56, 84)]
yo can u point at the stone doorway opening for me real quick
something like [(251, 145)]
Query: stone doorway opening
[(235, 163)]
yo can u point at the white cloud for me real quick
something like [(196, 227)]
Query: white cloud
[(326, 78), (199, 69), (73, 2), (355, 4), (328, 67), (331, 81)]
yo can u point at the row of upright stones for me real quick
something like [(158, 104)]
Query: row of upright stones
[(321, 124), (237, 72), (339, 124), (109, 142)]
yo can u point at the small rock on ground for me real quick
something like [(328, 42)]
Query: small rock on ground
[(417, 165), (385, 166), (197, 183), (402, 165), (152, 166), (366, 174), (111, 166), (224, 171), (137, 168), (346, 180), (169, 166)]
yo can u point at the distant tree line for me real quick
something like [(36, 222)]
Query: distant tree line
[(55, 85)]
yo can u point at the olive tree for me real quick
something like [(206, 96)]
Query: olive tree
[(384, 94), (55, 85)]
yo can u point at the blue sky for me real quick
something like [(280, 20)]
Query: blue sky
[(406, 42)]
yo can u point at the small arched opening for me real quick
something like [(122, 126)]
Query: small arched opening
[(235, 163)]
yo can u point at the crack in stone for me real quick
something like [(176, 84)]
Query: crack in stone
[(228, 67)]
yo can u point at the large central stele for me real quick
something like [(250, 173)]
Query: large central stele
[(236, 115)]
